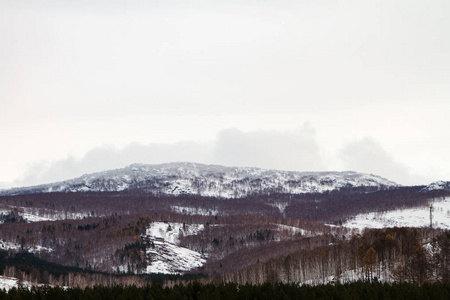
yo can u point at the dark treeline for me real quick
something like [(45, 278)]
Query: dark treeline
[(29, 268), (195, 290)]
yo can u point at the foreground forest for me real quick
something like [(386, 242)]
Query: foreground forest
[(354, 291)]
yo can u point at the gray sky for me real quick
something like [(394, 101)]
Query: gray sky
[(298, 85)]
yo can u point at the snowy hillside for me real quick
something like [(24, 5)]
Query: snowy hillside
[(410, 217), (164, 253), (209, 180)]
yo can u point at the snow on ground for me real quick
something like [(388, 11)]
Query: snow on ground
[(169, 258), (8, 283), (409, 217), (35, 218), (38, 215), (164, 252), (5, 245), (382, 273), (294, 230), (38, 248), (171, 232), (194, 210), (32, 214)]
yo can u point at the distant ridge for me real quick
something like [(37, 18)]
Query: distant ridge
[(209, 180), (438, 185)]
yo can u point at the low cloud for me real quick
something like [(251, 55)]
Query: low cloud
[(110, 157), (285, 150), (290, 150), (367, 155)]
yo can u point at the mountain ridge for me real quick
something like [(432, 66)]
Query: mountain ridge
[(209, 180), (437, 185)]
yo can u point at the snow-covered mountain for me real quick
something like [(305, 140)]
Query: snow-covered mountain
[(209, 180), (438, 185)]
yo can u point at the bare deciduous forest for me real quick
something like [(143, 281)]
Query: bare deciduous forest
[(100, 238)]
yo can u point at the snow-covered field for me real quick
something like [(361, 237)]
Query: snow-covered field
[(410, 217), (165, 254)]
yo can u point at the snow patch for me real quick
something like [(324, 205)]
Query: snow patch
[(5, 245), (8, 283), (172, 259), (294, 230), (164, 253), (194, 210), (35, 218), (409, 217), (30, 214)]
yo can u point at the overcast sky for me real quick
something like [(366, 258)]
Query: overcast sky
[(298, 85)]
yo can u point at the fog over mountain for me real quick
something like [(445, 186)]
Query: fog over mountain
[(284, 150)]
